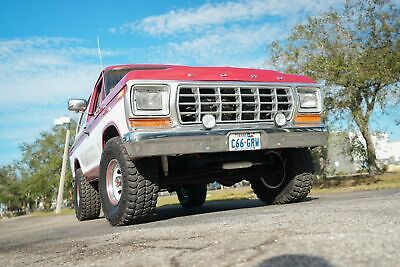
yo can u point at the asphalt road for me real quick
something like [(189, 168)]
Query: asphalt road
[(346, 229)]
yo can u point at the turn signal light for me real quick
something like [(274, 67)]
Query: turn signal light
[(151, 122), (308, 119)]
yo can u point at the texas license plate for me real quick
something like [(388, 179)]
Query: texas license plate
[(244, 141)]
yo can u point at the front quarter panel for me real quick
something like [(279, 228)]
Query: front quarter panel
[(88, 151)]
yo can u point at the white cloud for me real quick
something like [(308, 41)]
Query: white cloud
[(235, 33), (43, 53), (222, 46), (42, 70), (37, 77), (183, 20)]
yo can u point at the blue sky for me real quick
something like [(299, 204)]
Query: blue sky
[(48, 49)]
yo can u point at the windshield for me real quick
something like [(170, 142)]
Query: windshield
[(112, 77)]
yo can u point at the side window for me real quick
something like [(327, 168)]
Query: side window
[(98, 96)]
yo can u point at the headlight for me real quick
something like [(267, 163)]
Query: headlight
[(310, 99), (150, 100)]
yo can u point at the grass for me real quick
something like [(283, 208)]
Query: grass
[(64, 211), (330, 185), (358, 183)]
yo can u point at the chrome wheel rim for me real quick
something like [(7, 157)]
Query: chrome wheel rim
[(78, 195), (114, 182)]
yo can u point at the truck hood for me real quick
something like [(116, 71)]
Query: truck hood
[(186, 73)]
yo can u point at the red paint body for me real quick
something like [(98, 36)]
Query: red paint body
[(186, 73), (160, 73)]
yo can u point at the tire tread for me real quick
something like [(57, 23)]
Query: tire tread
[(197, 196), (89, 206), (296, 189), (142, 191)]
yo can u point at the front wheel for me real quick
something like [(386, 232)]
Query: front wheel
[(192, 195), (290, 181), (128, 189)]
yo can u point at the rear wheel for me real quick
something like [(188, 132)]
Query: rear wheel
[(128, 189), (291, 182), (192, 195), (86, 198)]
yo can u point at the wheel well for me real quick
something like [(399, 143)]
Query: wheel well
[(109, 133)]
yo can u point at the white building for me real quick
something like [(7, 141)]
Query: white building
[(387, 152)]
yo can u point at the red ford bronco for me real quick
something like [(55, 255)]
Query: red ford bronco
[(147, 128)]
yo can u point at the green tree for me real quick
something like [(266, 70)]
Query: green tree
[(356, 51), (40, 166), (11, 189)]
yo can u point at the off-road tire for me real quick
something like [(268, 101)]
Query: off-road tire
[(87, 205), (192, 195), (298, 181), (139, 186)]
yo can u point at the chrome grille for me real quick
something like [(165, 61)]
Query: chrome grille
[(233, 103)]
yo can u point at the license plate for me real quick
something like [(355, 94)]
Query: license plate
[(244, 141)]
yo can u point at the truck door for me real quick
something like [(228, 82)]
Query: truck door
[(91, 147)]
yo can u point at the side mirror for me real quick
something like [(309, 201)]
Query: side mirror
[(77, 105)]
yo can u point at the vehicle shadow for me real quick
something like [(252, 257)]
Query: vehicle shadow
[(295, 260), (175, 210)]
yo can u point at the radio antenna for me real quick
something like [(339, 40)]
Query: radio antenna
[(98, 46)]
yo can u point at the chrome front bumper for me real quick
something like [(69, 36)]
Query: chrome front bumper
[(173, 142)]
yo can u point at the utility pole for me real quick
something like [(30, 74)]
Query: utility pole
[(63, 121)]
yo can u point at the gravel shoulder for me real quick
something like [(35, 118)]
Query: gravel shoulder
[(341, 229)]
